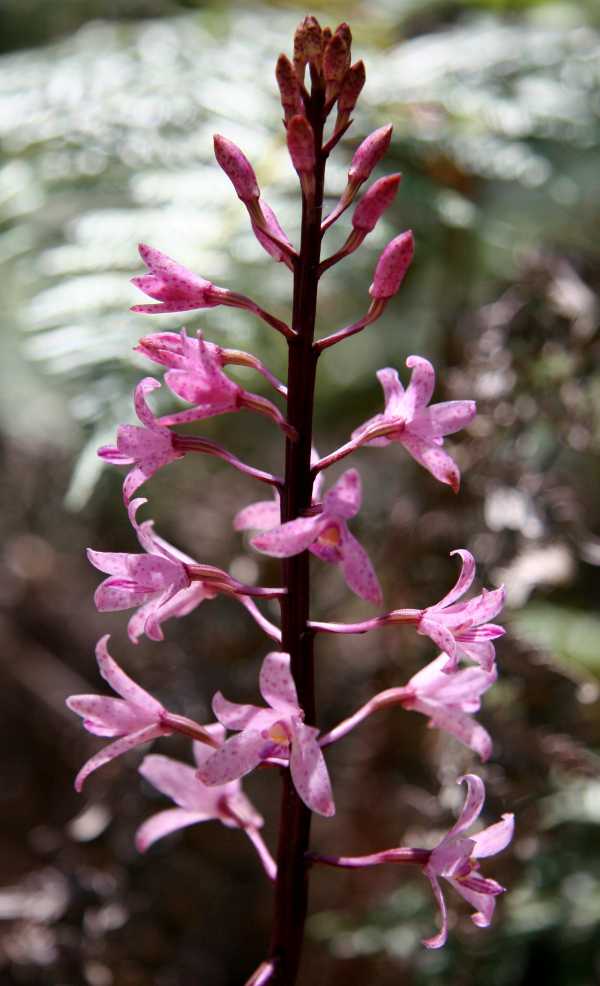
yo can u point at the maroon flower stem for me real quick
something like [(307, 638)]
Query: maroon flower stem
[(291, 887), (420, 856)]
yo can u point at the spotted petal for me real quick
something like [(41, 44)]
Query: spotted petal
[(164, 822), (309, 771)]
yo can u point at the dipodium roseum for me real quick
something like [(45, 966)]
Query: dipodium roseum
[(462, 629), (136, 716), (277, 731), (327, 536), (456, 857), (410, 420), (173, 286)]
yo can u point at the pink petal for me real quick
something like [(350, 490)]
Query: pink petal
[(276, 683), (429, 627), (180, 783), (462, 689), (421, 386), (309, 770), (437, 941), (432, 458), (113, 455), (290, 538), (163, 823), (273, 226), (393, 392), (143, 411), (238, 756), (116, 594), (458, 724), (358, 571), (464, 580), (105, 716), (236, 716), (182, 603), (159, 263), (115, 749), (484, 904), (111, 562), (261, 516), (443, 419), (494, 838), (486, 606), (472, 806), (481, 651), (122, 684), (201, 750), (345, 497)]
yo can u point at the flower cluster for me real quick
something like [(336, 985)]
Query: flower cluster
[(161, 582)]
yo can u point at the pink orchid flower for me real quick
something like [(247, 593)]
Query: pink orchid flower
[(196, 802), (264, 515), (148, 448), (136, 717), (462, 629), (175, 287), (455, 859), (156, 583), (326, 535), (420, 428), (450, 700), (277, 731)]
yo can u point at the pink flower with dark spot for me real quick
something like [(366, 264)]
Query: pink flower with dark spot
[(147, 448), (450, 700), (196, 802), (277, 731), (326, 535), (462, 629), (409, 420), (175, 288), (156, 582), (455, 859)]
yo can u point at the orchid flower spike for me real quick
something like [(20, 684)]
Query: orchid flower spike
[(147, 448), (449, 701), (409, 420), (196, 802), (136, 717), (173, 286), (461, 629), (327, 536), (455, 859), (277, 731)]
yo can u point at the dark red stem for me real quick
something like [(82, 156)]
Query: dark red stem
[(291, 889)]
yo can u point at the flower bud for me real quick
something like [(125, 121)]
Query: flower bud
[(392, 266), (343, 31), (301, 144), (374, 203), (289, 88), (368, 154), (335, 60), (237, 168), (308, 45), (351, 88)]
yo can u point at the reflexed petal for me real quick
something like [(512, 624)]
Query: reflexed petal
[(345, 497), (238, 756), (309, 770), (115, 594), (486, 606), (494, 838), (434, 459), (143, 411), (482, 651), (463, 582), (290, 538), (359, 572), (165, 822), (261, 516), (276, 683), (111, 562), (472, 806), (421, 386), (122, 745), (122, 684), (437, 941), (236, 716), (180, 783)]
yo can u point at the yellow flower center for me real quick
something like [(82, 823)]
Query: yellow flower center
[(330, 537), (278, 734)]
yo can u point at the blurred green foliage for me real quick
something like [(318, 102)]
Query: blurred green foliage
[(106, 141)]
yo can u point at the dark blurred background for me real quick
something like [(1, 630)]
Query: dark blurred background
[(106, 117)]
